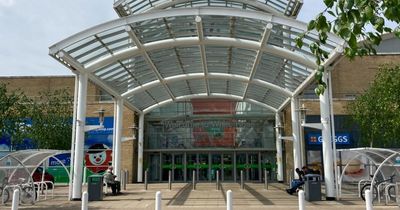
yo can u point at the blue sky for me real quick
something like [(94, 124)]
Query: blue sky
[(29, 27)]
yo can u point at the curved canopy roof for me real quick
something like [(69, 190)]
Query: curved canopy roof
[(163, 56), (277, 7)]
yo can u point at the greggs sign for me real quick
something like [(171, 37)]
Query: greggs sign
[(340, 138)]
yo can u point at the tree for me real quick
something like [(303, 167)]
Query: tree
[(377, 111), (13, 112), (51, 120), (351, 20)]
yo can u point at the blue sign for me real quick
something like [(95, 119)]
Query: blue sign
[(340, 138), (64, 158)]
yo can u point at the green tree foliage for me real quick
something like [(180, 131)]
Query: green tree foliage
[(377, 111), (51, 120), (13, 109), (351, 20)]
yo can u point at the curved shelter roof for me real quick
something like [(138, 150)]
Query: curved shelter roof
[(162, 56)]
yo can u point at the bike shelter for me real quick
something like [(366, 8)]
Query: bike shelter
[(17, 168), (377, 164)]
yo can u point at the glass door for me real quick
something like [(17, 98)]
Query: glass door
[(154, 167), (216, 165), (166, 166), (241, 165), (254, 167), (178, 166), (191, 165), (227, 165), (203, 167)]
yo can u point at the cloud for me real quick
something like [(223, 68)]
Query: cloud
[(7, 3)]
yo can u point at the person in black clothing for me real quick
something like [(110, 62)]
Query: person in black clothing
[(301, 174)]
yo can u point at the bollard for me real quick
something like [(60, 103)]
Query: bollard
[(85, 199), (145, 179), (122, 179), (265, 179), (158, 200), (15, 200), (217, 180), (126, 178), (229, 204), (169, 180), (194, 180), (241, 180), (368, 200), (302, 205)]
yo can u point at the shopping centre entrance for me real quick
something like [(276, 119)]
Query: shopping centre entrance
[(206, 164)]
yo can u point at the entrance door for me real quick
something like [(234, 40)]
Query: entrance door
[(191, 165), (216, 165), (203, 167), (227, 165), (178, 167), (166, 166), (241, 165), (154, 167), (254, 167)]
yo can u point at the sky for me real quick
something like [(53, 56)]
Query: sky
[(29, 27)]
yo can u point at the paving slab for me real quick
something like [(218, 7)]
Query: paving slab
[(205, 197)]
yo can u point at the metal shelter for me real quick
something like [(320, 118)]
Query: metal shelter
[(162, 51), (18, 167), (383, 163)]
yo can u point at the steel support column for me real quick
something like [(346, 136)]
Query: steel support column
[(296, 134), (80, 137), (327, 143), (278, 148), (140, 149), (118, 138)]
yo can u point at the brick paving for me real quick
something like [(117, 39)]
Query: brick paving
[(205, 197)]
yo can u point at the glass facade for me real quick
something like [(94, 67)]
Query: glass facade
[(206, 136)]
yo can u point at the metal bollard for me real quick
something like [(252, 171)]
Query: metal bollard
[(15, 200), (368, 200), (194, 180), (145, 179), (126, 178), (85, 199), (217, 184), (302, 205), (265, 179), (122, 179), (169, 180), (241, 180), (158, 200), (229, 204)]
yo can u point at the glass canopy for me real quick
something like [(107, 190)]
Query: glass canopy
[(170, 54), (277, 7)]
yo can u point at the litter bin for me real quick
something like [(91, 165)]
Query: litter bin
[(95, 187), (312, 187)]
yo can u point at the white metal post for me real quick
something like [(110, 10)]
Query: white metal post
[(114, 132), (229, 204), (118, 137), (368, 200), (85, 200), (80, 138), (158, 201), (278, 148), (296, 134), (327, 144), (140, 148), (71, 161), (302, 205), (15, 201)]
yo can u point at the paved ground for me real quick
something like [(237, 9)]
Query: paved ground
[(205, 197)]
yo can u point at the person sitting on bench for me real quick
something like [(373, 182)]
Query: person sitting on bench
[(109, 179)]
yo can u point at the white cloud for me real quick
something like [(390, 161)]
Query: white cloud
[(7, 3)]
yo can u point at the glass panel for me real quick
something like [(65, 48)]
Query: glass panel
[(154, 167), (191, 165), (240, 165), (166, 166), (268, 162), (216, 163), (253, 167), (178, 167), (227, 167), (203, 167)]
